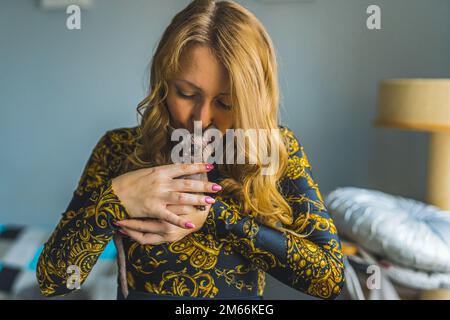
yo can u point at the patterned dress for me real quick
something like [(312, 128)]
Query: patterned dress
[(227, 258)]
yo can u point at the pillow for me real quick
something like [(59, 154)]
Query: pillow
[(417, 279), (404, 231)]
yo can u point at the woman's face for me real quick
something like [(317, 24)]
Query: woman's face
[(200, 92)]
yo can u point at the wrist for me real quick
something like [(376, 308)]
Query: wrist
[(116, 191)]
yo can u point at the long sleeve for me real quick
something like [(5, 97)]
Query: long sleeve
[(311, 264), (85, 228)]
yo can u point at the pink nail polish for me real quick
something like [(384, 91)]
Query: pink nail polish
[(209, 167), (189, 225), (123, 232), (216, 187), (209, 200)]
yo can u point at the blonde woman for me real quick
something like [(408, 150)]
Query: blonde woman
[(215, 63)]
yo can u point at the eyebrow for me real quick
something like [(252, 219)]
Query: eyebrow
[(198, 88)]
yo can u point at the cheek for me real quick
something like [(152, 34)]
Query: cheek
[(179, 109), (224, 121)]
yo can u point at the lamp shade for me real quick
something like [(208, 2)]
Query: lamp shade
[(416, 104)]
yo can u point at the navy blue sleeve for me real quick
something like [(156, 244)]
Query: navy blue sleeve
[(309, 258), (85, 228)]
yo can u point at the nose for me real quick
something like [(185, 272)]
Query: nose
[(203, 112)]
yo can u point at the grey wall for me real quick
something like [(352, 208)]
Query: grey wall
[(61, 90)]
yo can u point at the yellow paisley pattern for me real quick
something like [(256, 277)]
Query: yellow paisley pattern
[(231, 253), (145, 259), (305, 256), (231, 279), (201, 250), (316, 222), (78, 244), (290, 141), (184, 284)]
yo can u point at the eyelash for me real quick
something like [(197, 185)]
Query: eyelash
[(185, 96), (222, 105)]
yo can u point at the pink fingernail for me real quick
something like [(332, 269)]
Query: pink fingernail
[(209, 167), (216, 187), (123, 232), (189, 225), (209, 200)]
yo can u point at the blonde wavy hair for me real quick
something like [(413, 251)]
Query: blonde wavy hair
[(243, 46)]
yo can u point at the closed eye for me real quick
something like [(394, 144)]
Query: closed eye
[(181, 94), (223, 105), (193, 96)]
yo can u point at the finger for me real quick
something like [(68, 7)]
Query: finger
[(181, 169), (188, 198), (144, 226), (143, 238), (181, 209), (135, 235), (175, 219), (189, 185)]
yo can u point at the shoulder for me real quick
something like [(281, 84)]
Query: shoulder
[(107, 157), (119, 140), (298, 161), (126, 137), (290, 139), (119, 143), (123, 135)]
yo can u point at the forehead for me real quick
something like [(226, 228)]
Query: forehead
[(200, 66)]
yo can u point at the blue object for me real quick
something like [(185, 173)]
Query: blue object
[(110, 252), (33, 263)]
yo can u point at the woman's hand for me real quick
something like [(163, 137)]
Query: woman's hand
[(155, 231), (147, 193)]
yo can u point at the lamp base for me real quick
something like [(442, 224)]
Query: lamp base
[(438, 189)]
